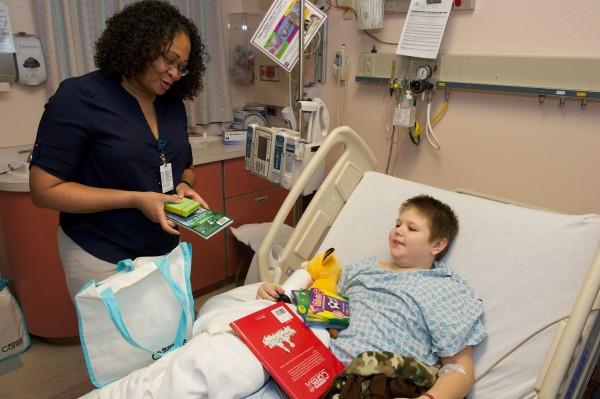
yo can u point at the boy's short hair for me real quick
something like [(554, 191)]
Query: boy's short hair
[(443, 222)]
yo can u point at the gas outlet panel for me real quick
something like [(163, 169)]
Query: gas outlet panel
[(381, 67)]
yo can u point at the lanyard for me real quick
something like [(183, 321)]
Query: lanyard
[(160, 147), (166, 173)]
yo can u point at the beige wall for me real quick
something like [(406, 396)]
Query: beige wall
[(505, 145), (21, 107)]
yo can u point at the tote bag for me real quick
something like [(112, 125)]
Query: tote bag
[(137, 315), (14, 338)]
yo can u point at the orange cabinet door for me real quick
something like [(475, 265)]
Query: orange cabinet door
[(239, 181), (208, 256), (256, 207), (31, 261)]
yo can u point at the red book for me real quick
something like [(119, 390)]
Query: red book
[(300, 363)]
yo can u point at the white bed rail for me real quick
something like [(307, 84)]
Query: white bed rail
[(355, 159), (561, 361), (552, 384)]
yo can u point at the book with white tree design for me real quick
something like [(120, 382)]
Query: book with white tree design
[(294, 356)]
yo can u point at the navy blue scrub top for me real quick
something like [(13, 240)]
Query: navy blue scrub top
[(94, 132)]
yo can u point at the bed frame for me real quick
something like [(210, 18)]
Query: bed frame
[(573, 355)]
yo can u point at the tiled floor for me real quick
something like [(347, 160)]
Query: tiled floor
[(53, 371)]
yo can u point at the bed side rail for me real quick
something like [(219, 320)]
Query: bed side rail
[(550, 384), (355, 159), (554, 377)]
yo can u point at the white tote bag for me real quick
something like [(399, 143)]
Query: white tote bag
[(14, 338), (135, 316)]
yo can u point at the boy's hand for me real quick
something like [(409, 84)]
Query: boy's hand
[(269, 291)]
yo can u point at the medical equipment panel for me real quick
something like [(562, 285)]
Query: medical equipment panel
[(263, 151), (380, 67), (279, 155), (543, 76)]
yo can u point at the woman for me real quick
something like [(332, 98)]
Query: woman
[(112, 145)]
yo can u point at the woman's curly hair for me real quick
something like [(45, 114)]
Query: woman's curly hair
[(138, 35)]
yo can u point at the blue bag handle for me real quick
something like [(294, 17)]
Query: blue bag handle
[(112, 306)]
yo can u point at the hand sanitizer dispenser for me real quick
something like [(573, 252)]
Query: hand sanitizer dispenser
[(29, 59)]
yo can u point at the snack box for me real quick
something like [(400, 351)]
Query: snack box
[(322, 308), (184, 209)]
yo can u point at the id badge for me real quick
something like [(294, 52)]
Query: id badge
[(166, 177)]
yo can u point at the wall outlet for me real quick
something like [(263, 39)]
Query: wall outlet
[(369, 64)]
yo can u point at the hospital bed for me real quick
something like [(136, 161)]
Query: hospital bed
[(537, 271)]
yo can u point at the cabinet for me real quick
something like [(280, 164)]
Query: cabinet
[(208, 256), (32, 263), (248, 199), (29, 250)]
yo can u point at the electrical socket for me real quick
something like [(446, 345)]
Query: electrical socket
[(369, 64)]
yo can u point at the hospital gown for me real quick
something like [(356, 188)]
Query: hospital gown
[(425, 314)]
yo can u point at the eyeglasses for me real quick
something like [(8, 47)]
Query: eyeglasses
[(171, 63)]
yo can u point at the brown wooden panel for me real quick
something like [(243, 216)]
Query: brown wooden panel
[(32, 263), (257, 207), (238, 181), (208, 256)]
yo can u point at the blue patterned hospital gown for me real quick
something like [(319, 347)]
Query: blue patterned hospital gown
[(425, 314)]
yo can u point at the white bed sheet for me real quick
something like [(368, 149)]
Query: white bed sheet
[(526, 265), (214, 364)]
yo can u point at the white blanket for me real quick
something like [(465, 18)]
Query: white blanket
[(218, 366)]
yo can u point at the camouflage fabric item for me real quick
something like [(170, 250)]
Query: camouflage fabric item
[(374, 375)]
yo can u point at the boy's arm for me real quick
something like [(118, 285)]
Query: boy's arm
[(454, 385), (269, 291)]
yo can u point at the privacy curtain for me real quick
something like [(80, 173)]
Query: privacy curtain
[(68, 30)]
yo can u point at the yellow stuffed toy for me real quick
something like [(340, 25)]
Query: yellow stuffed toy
[(325, 270)]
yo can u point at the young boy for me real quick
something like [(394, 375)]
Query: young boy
[(414, 305)]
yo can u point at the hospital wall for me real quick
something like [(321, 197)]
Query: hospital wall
[(505, 145), (22, 106)]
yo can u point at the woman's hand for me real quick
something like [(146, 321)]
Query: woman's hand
[(152, 205), (183, 190), (269, 291)]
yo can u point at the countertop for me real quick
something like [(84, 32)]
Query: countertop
[(202, 152), (213, 151)]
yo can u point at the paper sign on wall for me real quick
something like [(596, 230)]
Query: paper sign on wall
[(424, 27), (7, 44), (278, 33)]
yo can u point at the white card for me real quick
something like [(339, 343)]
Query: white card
[(166, 177)]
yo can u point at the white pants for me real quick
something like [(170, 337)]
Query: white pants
[(79, 266)]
